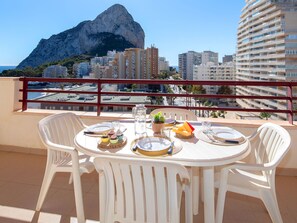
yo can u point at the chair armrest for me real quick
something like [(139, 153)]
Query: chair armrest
[(61, 148), (251, 167)]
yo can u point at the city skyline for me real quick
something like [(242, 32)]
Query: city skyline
[(174, 27)]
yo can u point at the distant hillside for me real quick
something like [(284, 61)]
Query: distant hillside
[(114, 29), (37, 71)]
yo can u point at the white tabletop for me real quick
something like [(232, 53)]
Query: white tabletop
[(194, 152)]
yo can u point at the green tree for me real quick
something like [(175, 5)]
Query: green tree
[(159, 100), (176, 76), (207, 112), (133, 86), (170, 91), (265, 115), (217, 114), (199, 89), (164, 75), (224, 89)]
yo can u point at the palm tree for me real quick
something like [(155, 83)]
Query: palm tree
[(207, 104), (170, 91), (199, 89), (159, 100), (224, 89)]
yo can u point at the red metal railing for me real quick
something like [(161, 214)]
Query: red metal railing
[(99, 82)]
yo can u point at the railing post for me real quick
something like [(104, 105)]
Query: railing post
[(98, 96), (25, 93), (290, 104), (187, 98)]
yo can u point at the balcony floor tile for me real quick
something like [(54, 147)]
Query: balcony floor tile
[(21, 177)]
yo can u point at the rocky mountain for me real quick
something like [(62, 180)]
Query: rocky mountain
[(114, 29)]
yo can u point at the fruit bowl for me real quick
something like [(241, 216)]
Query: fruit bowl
[(184, 131)]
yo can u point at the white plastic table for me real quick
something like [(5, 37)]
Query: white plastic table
[(194, 153)]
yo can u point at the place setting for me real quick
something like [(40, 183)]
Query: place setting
[(220, 135), (156, 140), (155, 146), (98, 129), (110, 134), (104, 128)]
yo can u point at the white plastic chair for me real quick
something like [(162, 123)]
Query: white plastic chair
[(176, 114), (141, 190), (270, 144), (181, 114), (57, 133), (184, 115)]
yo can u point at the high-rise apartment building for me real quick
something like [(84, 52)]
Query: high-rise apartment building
[(182, 65), (133, 63), (99, 71), (118, 66), (136, 63), (163, 64), (209, 56), (186, 63), (211, 71), (55, 71), (267, 50), (152, 59), (104, 60), (81, 69), (227, 58)]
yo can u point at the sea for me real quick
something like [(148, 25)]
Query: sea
[(31, 95), (2, 68)]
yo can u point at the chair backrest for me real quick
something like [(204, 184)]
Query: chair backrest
[(176, 113), (60, 128), (141, 190), (270, 143)]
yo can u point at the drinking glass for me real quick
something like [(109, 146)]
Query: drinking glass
[(166, 132), (206, 126), (116, 125)]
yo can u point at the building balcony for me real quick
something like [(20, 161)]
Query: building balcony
[(23, 159)]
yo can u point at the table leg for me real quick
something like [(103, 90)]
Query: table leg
[(208, 186), (102, 197), (195, 189)]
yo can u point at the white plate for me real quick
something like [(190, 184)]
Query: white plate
[(152, 144), (100, 128), (227, 134)]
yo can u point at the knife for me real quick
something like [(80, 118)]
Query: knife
[(231, 141), (134, 148), (170, 150), (87, 132)]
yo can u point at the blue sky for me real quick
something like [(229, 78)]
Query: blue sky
[(173, 26)]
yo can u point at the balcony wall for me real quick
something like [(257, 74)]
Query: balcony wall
[(18, 130)]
